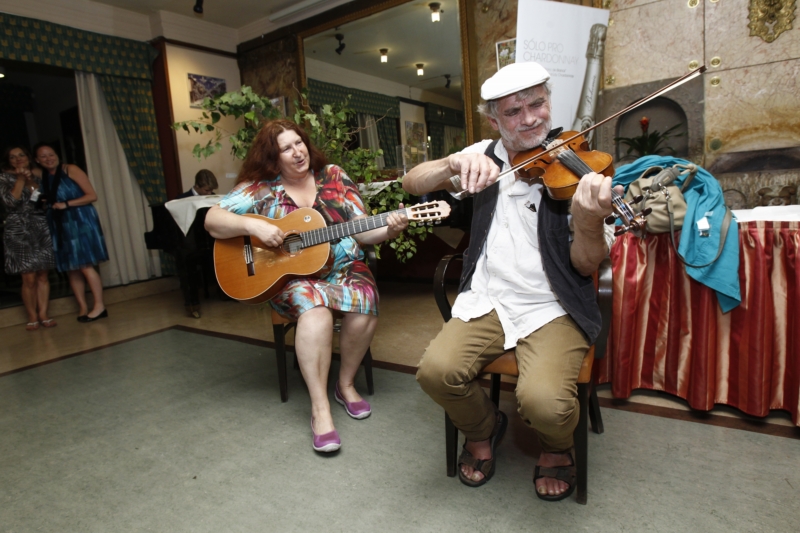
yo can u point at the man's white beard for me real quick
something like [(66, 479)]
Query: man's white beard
[(511, 140)]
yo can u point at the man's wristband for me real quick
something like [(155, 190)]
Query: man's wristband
[(66, 203)]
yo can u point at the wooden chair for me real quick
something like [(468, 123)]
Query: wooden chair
[(506, 365), (282, 325)]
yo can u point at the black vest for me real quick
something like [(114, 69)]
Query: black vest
[(576, 293)]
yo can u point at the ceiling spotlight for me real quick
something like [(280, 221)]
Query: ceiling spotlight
[(198, 7), (340, 38), (435, 11), (384, 55), (420, 72), (447, 77)]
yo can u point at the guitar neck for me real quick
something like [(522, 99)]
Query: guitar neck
[(337, 231)]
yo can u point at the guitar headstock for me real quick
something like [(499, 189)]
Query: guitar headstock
[(428, 212)]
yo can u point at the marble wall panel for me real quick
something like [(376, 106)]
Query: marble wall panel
[(749, 183), (688, 96), (494, 21), (752, 108), (616, 5), (653, 41), (272, 70), (728, 37)]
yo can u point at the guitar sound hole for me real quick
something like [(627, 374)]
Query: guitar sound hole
[(292, 244)]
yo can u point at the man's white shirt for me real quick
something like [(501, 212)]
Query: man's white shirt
[(509, 276)]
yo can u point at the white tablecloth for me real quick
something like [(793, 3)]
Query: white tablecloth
[(770, 212), (184, 210)]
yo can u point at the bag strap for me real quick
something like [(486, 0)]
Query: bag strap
[(723, 233), (690, 171)]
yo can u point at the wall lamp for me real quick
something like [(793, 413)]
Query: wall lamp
[(436, 10), (384, 55), (198, 7), (340, 38), (420, 72), (2, 72)]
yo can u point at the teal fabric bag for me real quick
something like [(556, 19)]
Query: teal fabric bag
[(703, 199)]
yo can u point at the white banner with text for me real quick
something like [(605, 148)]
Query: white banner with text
[(559, 37)]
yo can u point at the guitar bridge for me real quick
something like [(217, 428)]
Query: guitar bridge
[(247, 251)]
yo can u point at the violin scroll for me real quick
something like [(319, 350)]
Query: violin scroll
[(631, 221)]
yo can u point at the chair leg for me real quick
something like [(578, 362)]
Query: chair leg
[(280, 354), (494, 389), (368, 371), (451, 445), (594, 412), (581, 442)]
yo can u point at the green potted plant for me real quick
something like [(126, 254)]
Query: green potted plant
[(329, 129), (648, 143)]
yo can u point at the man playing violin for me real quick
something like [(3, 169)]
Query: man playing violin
[(526, 285)]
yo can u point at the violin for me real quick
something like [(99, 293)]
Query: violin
[(561, 166), (564, 162)]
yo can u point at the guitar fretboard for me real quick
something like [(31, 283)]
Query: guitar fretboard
[(337, 231)]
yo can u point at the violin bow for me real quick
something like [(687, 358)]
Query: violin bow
[(680, 81)]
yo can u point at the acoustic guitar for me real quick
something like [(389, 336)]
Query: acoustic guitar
[(252, 272)]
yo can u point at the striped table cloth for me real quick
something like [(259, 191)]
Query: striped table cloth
[(668, 333)]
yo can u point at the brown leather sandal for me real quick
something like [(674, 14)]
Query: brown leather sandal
[(484, 466), (567, 474)]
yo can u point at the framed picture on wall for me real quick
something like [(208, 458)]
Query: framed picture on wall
[(279, 103), (201, 87), (506, 52), (415, 133)]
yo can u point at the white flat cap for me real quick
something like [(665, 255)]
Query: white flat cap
[(513, 78)]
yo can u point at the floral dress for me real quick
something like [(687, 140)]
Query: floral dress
[(349, 286), (26, 238)]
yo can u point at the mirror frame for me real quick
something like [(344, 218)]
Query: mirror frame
[(468, 63)]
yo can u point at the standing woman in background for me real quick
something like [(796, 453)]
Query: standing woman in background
[(77, 236), (26, 238)]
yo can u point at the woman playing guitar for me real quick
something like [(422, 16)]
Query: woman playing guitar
[(283, 172)]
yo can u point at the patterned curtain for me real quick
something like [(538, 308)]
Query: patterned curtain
[(379, 105), (387, 134), (37, 41), (124, 69), (438, 117), (131, 106), (446, 116), (436, 132)]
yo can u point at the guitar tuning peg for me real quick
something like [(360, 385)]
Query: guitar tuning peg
[(637, 199), (620, 231), (610, 220), (647, 211)]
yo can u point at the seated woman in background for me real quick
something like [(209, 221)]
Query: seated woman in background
[(283, 172), (26, 238), (205, 183), (75, 227)]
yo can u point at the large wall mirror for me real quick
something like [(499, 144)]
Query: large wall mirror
[(395, 55)]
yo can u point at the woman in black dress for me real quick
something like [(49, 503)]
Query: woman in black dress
[(26, 238)]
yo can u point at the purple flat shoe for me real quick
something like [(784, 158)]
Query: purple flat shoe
[(357, 410), (328, 442)]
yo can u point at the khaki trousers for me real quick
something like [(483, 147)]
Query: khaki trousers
[(549, 361)]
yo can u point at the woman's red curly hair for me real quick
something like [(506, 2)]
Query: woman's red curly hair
[(262, 161)]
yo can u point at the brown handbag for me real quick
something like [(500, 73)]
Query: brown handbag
[(656, 185)]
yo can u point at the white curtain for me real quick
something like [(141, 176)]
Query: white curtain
[(121, 204), (454, 138), (368, 136)]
